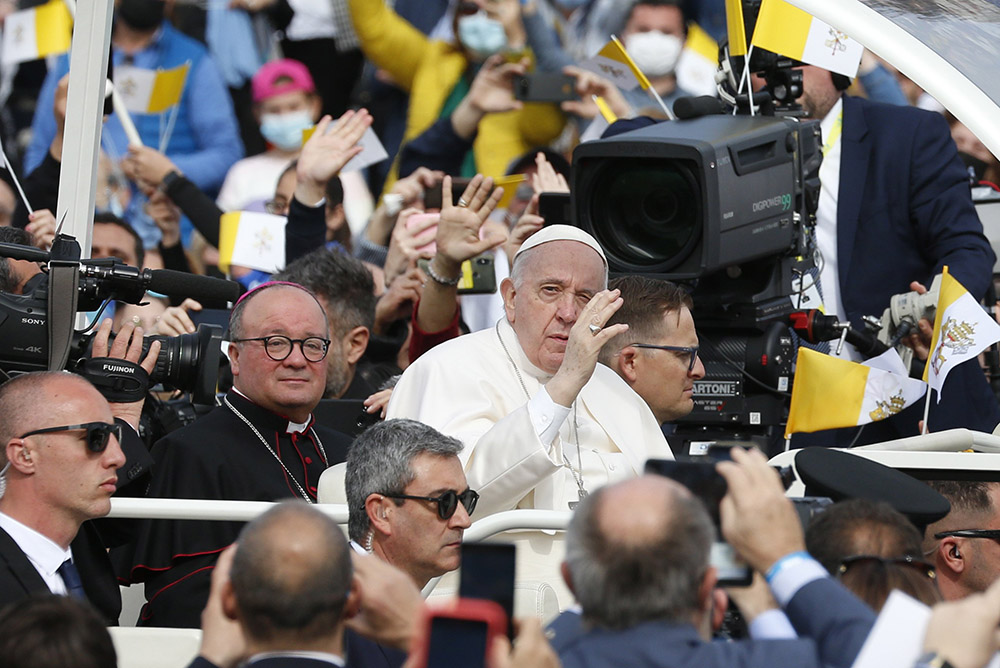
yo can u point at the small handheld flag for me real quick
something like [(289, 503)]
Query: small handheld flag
[(250, 239), (38, 32), (789, 31)]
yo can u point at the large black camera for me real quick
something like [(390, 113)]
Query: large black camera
[(725, 204), (36, 327)]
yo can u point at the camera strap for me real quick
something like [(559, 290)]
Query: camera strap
[(120, 381)]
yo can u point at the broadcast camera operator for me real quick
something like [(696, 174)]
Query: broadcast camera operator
[(893, 210)]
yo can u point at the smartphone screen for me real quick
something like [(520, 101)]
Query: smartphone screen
[(457, 642), (704, 482), (488, 573)]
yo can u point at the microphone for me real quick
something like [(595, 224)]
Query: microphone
[(201, 288), (694, 107)]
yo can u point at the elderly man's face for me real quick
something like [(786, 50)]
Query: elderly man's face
[(293, 386), (70, 480), (558, 281)]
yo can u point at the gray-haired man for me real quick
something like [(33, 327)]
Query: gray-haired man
[(408, 497)]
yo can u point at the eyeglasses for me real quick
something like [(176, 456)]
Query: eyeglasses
[(921, 566), (993, 534), (277, 207), (98, 433), (447, 503), (279, 347), (687, 350)]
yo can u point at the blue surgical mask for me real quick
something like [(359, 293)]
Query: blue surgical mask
[(481, 35), (285, 130)]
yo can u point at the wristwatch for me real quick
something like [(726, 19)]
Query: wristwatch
[(932, 660), (168, 181)]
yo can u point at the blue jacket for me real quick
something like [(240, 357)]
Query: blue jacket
[(831, 623), (205, 141)]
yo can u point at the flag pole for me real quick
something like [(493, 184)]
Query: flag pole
[(745, 79), (927, 408), (643, 79)]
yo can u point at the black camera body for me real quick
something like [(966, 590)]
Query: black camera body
[(726, 205)]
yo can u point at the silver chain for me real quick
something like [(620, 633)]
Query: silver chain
[(302, 491), (577, 476)]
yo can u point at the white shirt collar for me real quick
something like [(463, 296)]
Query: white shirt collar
[(292, 428), (332, 659), (41, 551), (831, 116)]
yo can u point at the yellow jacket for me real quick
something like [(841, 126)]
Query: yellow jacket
[(429, 69)]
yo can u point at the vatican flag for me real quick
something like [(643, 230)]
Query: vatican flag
[(736, 28), (962, 330), (36, 33), (789, 31), (150, 91), (613, 62), (698, 62), (830, 393), (250, 239)]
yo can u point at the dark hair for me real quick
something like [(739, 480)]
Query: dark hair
[(679, 4), (860, 526), (966, 496), (286, 591), (11, 235), (873, 579), (620, 584), (645, 302), (344, 283), (108, 218), (55, 632), (334, 192)]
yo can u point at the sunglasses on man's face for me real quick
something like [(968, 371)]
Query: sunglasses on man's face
[(447, 503), (923, 567), (98, 433)]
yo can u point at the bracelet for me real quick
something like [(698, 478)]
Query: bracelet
[(449, 282), (780, 564)]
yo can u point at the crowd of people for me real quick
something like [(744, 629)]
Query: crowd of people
[(550, 392)]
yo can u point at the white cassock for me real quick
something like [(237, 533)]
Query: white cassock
[(468, 388)]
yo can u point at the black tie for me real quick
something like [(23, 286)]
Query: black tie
[(71, 578)]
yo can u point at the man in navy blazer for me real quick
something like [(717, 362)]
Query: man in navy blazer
[(896, 211), (637, 559)]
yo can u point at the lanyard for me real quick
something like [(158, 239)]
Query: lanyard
[(838, 126)]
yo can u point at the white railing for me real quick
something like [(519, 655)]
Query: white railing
[(244, 511)]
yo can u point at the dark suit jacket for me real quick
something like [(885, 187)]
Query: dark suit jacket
[(19, 579), (272, 662), (903, 212), (360, 652), (832, 625)]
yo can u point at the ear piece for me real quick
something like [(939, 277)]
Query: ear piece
[(954, 552)]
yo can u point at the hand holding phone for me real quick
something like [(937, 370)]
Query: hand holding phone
[(461, 635)]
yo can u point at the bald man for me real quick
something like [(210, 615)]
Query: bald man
[(60, 467)]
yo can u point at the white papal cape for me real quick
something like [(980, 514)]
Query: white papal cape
[(468, 388)]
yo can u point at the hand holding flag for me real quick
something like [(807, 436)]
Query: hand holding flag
[(962, 330)]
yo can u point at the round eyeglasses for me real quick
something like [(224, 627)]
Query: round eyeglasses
[(279, 347)]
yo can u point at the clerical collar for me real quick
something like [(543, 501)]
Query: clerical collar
[(262, 417), (332, 659)]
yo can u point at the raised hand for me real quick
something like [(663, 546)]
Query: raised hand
[(330, 147)]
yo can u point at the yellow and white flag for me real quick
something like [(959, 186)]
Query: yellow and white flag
[(789, 31), (251, 239), (698, 63), (830, 393), (36, 33), (735, 28), (613, 62), (962, 330), (150, 91)]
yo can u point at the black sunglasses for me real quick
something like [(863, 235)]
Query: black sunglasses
[(691, 352), (923, 567), (98, 433), (993, 534), (447, 503)]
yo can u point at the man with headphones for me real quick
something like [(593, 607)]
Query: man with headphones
[(894, 209), (964, 544)]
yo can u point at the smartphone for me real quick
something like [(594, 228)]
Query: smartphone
[(345, 415), (460, 635), (545, 87), (488, 574), (479, 276), (704, 482), (419, 218), (433, 197), (210, 316), (555, 208)]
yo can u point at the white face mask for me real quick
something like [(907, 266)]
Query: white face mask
[(481, 35), (654, 52)]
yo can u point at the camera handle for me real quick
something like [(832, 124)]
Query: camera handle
[(64, 276)]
